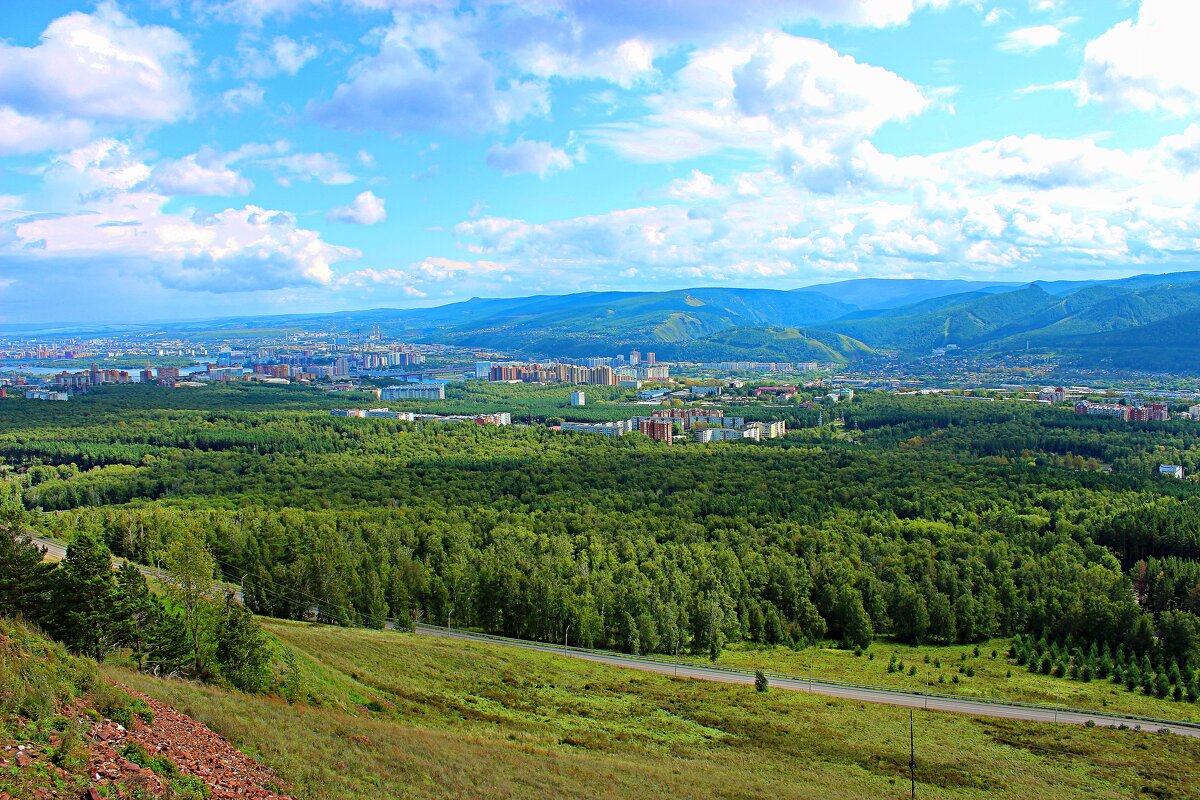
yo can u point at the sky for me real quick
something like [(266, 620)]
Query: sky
[(182, 159)]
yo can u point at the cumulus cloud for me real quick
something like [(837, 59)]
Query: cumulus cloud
[(430, 75), (446, 67), (1031, 39), (206, 172), (1148, 64), (88, 69), (414, 280), (794, 98), (697, 186), (366, 209), (528, 156), (107, 209), (31, 134), (1031, 203)]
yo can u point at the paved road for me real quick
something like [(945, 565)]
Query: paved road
[(59, 550), (956, 705)]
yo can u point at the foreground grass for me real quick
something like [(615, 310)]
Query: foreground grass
[(391, 714), (995, 678)]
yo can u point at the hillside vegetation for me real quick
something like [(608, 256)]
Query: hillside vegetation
[(923, 520), (395, 714)]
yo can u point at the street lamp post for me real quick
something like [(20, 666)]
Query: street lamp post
[(566, 634), (912, 757), (449, 611), (810, 672)]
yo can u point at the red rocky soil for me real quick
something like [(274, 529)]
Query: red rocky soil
[(194, 749)]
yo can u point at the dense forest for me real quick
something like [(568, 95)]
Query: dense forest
[(925, 519)]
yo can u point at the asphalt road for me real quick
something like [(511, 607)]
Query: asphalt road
[(955, 705)]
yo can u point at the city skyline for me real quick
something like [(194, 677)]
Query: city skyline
[(279, 156)]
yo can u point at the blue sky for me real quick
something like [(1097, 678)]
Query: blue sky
[(193, 158)]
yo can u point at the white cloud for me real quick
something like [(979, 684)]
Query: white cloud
[(243, 97), (696, 186), (206, 172), (460, 69), (429, 75), (92, 68), (324, 168), (794, 98), (995, 15), (1027, 205), (1030, 40), (283, 55), (528, 156), (31, 134), (1151, 64), (254, 12), (106, 210), (429, 273), (366, 209)]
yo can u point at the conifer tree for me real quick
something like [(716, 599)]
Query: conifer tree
[(83, 611)]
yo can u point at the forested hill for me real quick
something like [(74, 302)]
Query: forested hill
[(1129, 326), (918, 518), (1092, 322)]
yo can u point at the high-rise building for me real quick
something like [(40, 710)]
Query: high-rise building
[(635, 357), (660, 430), (482, 368), (650, 359), (578, 399), (414, 391)]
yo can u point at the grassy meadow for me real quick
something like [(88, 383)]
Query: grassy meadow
[(996, 678), (399, 715)]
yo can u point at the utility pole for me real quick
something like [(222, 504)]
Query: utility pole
[(912, 758)]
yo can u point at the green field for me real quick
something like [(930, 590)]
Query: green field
[(998, 678), (465, 719)]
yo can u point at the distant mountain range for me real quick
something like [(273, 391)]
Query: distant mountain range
[(1146, 321)]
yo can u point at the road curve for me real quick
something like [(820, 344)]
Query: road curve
[(955, 705)]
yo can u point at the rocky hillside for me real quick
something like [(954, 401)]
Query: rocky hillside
[(64, 732)]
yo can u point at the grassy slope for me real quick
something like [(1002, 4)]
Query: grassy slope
[(991, 678), (464, 719)]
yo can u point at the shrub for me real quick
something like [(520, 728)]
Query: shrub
[(160, 765), (189, 787), (70, 755), (760, 681), (120, 707)]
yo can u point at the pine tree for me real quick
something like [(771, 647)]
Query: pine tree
[(83, 599), (132, 611), (167, 649), (243, 651), (23, 576)]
